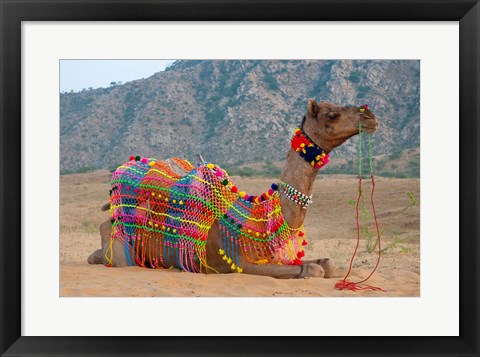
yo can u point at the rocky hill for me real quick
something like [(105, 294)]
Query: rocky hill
[(233, 112)]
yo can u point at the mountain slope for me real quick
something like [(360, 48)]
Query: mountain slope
[(233, 112)]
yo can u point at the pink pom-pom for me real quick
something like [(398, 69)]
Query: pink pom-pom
[(270, 192), (144, 161), (219, 173), (246, 197)]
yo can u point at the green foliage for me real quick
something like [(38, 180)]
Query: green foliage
[(270, 170), (81, 170), (368, 230), (270, 81), (354, 77), (242, 171), (395, 155), (413, 201), (362, 91), (213, 120)]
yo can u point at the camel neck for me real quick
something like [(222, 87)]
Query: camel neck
[(300, 175)]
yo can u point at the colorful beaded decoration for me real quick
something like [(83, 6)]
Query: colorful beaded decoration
[(307, 149), (362, 108), (163, 218), (295, 195)]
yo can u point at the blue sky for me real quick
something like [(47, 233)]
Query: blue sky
[(78, 74)]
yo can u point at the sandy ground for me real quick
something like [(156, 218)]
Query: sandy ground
[(330, 227)]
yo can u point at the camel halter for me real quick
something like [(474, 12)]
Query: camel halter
[(344, 284)]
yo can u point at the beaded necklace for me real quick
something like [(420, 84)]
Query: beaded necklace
[(311, 152), (295, 195)]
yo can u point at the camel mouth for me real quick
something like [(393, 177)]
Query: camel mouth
[(370, 129), (369, 125)]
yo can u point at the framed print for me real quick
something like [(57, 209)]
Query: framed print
[(422, 299)]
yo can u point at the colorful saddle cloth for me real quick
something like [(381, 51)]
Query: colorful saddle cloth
[(163, 218)]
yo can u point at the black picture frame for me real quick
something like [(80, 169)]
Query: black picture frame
[(13, 12)]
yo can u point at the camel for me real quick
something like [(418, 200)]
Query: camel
[(325, 126)]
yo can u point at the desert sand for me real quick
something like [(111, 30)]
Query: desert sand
[(331, 232)]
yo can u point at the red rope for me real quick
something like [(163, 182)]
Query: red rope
[(354, 286)]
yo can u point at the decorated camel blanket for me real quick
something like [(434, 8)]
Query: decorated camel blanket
[(163, 219)]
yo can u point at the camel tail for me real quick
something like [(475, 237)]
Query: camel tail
[(105, 207)]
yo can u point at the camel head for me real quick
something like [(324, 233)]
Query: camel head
[(330, 125)]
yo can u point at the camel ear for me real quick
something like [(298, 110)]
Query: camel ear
[(312, 107)]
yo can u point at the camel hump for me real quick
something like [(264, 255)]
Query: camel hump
[(105, 207)]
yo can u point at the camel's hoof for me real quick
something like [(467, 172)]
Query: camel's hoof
[(312, 270), (328, 266)]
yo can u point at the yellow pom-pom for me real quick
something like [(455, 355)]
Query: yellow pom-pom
[(210, 166), (233, 266), (156, 225), (318, 157), (229, 261), (180, 202), (151, 163), (249, 231), (304, 151), (174, 201), (221, 252), (174, 230), (323, 154), (225, 257), (163, 227), (239, 269), (302, 145), (242, 194), (166, 199), (257, 234), (362, 110), (153, 193), (257, 200), (312, 163), (150, 222)]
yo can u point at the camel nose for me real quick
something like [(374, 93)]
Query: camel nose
[(369, 121)]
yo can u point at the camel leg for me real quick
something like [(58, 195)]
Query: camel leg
[(284, 271), (99, 256), (327, 264), (273, 270), (96, 257)]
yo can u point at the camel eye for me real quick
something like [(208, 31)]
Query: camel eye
[(333, 115)]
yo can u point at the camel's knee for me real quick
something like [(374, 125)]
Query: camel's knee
[(311, 270), (328, 266), (95, 257)]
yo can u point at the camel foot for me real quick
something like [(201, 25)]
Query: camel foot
[(95, 257), (328, 266), (312, 270)]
